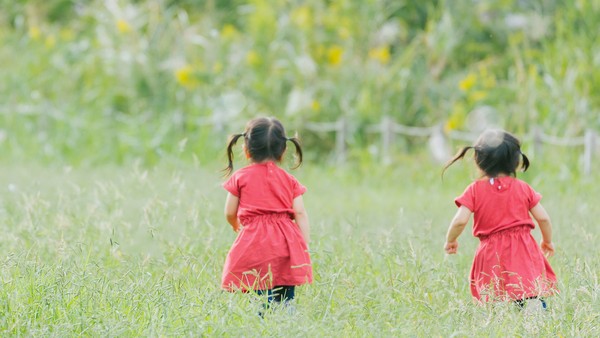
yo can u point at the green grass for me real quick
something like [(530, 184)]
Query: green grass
[(123, 250), (128, 251)]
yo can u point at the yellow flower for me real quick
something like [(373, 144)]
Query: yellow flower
[(334, 55), (468, 82), (67, 34), (302, 17), (34, 32), (50, 41), (228, 32), (185, 77), (253, 59), (381, 54), (123, 26), (457, 118), (315, 105), (477, 95)]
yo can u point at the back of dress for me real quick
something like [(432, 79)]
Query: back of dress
[(270, 250)]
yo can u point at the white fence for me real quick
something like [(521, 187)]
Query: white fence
[(438, 140)]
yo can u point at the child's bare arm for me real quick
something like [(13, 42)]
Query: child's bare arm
[(457, 225), (231, 207), (543, 220), (301, 217)]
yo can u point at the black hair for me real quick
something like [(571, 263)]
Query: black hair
[(265, 140), (496, 152)]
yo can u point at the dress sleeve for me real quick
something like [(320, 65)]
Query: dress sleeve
[(467, 199), (232, 185), (534, 197), (297, 188)]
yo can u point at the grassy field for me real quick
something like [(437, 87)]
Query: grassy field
[(139, 97), (129, 251)]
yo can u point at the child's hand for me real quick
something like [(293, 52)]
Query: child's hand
[(547, 249), (237, 226), (451, 247)]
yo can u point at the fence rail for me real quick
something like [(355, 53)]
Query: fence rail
[(438, 139), (388, 128)]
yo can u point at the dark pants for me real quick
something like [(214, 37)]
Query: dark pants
[(521, 302), (279, 294)]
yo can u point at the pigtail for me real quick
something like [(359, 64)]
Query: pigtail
[(461, 153), (525, 164), (296, 143), (232, 142)]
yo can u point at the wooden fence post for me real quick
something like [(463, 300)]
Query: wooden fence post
[(438, 145), (340, 139), (537, 141), (588, 151), (387, 138)]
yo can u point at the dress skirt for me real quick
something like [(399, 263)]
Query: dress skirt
[(509, 265), (269, 251)]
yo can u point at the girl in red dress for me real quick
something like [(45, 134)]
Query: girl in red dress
[(264, 206), (508, 264)]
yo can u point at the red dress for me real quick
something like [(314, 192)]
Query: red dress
[(508, 263), (270, 249)]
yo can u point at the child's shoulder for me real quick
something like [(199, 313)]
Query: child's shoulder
[(261, 169), (521, 181), (284, 175), (524, 184), (477, 183), (242, 172), (289, 174)]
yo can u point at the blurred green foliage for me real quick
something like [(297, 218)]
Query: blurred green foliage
[(97, 81)]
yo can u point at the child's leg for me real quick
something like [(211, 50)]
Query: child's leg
[(279, 294), (521, 302), (284, 296), (269, 293), (265, 306), (284, 293)]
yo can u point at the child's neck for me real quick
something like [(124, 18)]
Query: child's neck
[(263, 161), (487, 177)]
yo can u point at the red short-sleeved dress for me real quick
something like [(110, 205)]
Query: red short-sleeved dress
[(270, 250), (508, 263)]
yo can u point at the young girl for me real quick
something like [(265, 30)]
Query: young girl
[(508, 264), (265, 207)]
